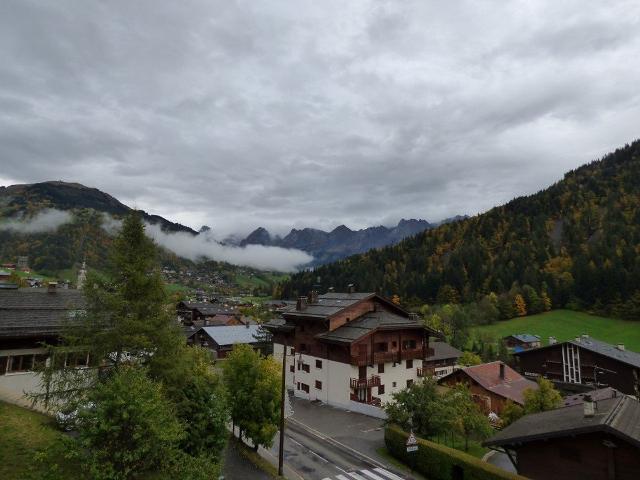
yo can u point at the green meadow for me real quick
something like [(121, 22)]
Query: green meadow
[(567, 324)]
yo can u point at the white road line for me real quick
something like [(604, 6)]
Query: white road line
[(390, 475), (341, 477), (356, 476), (326, 478), (371, 475)]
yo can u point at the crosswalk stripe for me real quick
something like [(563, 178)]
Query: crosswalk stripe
[(371, 475), (390, 475), (341, 477), (356, 476)]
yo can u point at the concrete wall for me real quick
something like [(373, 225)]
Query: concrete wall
[(14, 386)]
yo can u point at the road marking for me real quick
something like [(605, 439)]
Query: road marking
[(390, 475), (341, 477), (371, 475), (356, 476)]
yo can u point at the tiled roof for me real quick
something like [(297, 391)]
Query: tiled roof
[(619, 416), (442, 351), (367, 323), (512, 386), (29, 312), (228, 335), (328, 304)]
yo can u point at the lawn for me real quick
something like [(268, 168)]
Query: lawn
[(567, 324), (24, 433)]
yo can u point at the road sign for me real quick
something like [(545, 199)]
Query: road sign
[(412, 443)]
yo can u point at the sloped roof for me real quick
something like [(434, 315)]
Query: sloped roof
[(619, 416), (228, 335), (442, 351), (29, 312), (328, 304), (512, 386), (606, 349), (525, 337), (368, 323), (596, 396)]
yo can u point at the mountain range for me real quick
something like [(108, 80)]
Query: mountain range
[(341, 242), (576, 243)]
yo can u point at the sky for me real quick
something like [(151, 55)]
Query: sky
[(238, 114)]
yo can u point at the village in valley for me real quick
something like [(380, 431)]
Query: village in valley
[(542, 408)]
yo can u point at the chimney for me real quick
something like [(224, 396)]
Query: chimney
[(578, 339), (620, 347), (552, 340), (589, 406), (301, 304), (585, 336), (313, 296), (51, 287), (502, 370), (351, 288)]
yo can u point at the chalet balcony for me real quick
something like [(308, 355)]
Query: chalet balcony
[(372, 381), (390, 357)]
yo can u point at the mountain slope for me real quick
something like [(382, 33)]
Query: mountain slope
[(578, 242), (341, 242)]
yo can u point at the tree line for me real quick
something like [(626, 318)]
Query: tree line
[(574, 244)]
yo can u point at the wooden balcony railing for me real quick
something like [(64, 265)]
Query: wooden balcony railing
[(375, 401), (372, 381), (389, 357)]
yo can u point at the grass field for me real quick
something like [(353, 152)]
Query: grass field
[(567, 324), (24, 433)]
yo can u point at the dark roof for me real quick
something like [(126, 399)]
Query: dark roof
[(596, 346), (32, 312), (512, 386), (328, 304), (596, 396), (442, 351), (525, 337), (361, 326), (619, 416), (211, 310)]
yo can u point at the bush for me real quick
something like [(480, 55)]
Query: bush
[(438, 462)]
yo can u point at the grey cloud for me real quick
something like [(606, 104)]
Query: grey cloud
[(304, 113)]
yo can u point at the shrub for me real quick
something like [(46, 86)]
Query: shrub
[(438, 462)]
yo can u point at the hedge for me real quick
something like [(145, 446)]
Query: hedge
[(438, 462)]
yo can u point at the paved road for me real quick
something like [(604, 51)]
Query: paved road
[(322, 443), (237, 467), (501, 460)]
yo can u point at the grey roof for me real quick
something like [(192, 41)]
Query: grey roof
[(367, 323), (29, 312), (442, 351), (228, 335), (619, 416), (525, 337), (603, 348), (596, 396), (328, 304), (211, 310)]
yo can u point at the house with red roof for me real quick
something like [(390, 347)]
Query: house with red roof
[(491, 384)]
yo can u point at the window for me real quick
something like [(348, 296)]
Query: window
[(305, 367), (380, 389), (318, 384), (298, 386), (318, 363), (299, 366), (382, 347), (292, 369), (304, 387), (19, 363), (381, 368), (394, 384), (408, 344), (409, 363), (3, 365), (394, 345), (409, 383), (303, 347)]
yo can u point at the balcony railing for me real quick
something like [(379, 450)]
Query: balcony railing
[(389, 357), (375, 401), (372, 381)]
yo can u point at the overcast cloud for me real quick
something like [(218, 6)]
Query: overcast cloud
[(305, 113)]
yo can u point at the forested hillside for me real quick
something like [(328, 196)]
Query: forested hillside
[(577, 243)]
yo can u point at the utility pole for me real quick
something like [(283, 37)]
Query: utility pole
[(282, 393)]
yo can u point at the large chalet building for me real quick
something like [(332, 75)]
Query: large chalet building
[(583, 361), (350, 350)]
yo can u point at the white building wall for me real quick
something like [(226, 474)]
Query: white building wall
[(14, 386), (335, 378)]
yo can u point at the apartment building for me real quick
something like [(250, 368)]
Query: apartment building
[(350, 350)]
